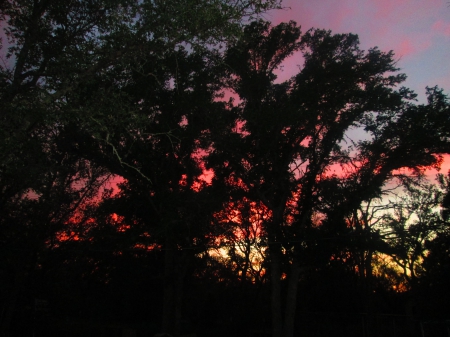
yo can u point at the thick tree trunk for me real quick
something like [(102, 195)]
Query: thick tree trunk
[(182, 269), (275, 276), (291, 299), (169, 287), (175, 268)]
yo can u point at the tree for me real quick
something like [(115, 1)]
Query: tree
[(289, 138), (69, 74), (413, 222), (240, 234), (432, 289), (130, 87), (417, 232), (42, 190), (59, 51)]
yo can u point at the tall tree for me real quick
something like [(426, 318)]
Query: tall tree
[(69, 68), (164, 139), (288, 143), (57, 51)]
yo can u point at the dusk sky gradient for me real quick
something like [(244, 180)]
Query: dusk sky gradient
[(418, 31)]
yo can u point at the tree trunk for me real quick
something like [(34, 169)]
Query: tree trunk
[(291, 299), (275, 276), (169, 287), (175, 268), (182, 269)]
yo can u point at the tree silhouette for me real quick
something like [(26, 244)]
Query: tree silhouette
[(73, 65), (293, 135), (135, 89), (43, 190)]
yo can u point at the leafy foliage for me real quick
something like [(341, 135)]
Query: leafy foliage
[(134, 89)]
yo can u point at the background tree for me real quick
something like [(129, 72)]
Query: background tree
[(417, 231), (67, 70), (42, 190), (414, 221)]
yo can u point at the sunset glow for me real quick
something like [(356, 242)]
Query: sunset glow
[(224, 168)]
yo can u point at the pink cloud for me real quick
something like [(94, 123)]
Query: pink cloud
[(383, 9), (441, 27), (405, 48)]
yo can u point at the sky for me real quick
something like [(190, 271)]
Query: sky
[(418, 31)]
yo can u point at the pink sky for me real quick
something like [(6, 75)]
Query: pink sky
[(417, 31)]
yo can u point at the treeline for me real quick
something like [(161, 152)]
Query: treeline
[(246, 205)]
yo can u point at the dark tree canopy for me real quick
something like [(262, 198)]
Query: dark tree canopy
[(134, 90), (296, 133)]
